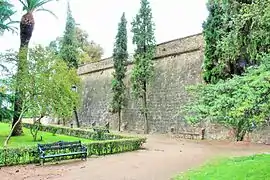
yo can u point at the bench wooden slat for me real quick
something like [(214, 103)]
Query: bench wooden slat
[(59, 155), (74, 148)]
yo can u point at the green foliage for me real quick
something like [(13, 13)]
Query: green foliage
[(69, 48), (16, 156), (238, 103), (120, 56), (77, 132), (35, 5), (74, 47), (50, 93), (43, 88), (144, 40), (114, 146), (89, 50), (27, 24), (236, 34), (212, 32), (6, 100), (6, 111), (6, 11), (239, 168), (27, 155), (35, 129)]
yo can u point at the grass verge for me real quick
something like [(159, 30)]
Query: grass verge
[(26, 139), (254, 167)]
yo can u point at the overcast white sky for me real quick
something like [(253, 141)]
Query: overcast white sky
[(173, 19)]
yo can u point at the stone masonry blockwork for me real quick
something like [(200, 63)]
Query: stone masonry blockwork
[(177, 65)]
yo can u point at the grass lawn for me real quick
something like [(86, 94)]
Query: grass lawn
[(27, 140), (255, 167)]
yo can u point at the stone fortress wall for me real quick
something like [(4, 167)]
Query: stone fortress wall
[(177, 65)]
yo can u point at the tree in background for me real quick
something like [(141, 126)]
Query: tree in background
[(46, 92), (212, 32), (144, 40), (241, 103), (6, 100), (27, 24), (88, 51), (69, 47), (235, 33), (236, 66), (6, 11), (120, 56)]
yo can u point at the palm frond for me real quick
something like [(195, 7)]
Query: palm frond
[(25, 6), (6, 12), (42, 2), (33, 5), (46, 10)]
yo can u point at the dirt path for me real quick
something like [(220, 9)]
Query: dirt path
[(163, 158)]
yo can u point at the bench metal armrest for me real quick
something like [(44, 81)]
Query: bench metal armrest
[(41, 151)]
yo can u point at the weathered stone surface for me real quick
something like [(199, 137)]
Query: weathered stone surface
[(177, 65)]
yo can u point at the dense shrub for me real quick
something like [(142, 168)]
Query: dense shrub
[(236, 32), (114, 146), (81, 133), (15, 156), (241, 103), (111, 144)]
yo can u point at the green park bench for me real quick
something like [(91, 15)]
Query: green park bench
[(61, 149)]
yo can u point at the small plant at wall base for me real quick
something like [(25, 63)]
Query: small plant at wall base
[(144, 40), (120, 56)]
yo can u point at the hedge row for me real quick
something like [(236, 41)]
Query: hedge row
[(28, 155), (81, 133), (16, 156)]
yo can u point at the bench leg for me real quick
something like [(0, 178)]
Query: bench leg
[(84, 156), (42, 161)]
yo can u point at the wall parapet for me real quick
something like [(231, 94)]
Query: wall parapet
[(165, 49)]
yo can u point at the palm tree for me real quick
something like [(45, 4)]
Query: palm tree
[(27, 21), (6, 11), (27, 24)]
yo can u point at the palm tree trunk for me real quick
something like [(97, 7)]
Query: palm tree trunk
[(26, 29)]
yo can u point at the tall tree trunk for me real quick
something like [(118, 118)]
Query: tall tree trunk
[(26, 29), (76, 117), (15, 125), (146, 125), (119, 119)]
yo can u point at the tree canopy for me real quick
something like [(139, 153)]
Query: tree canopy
[(236, 34), (69, 45), (144, 40), (240, 103), (120, 56), (236, 67), (45, 91)]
